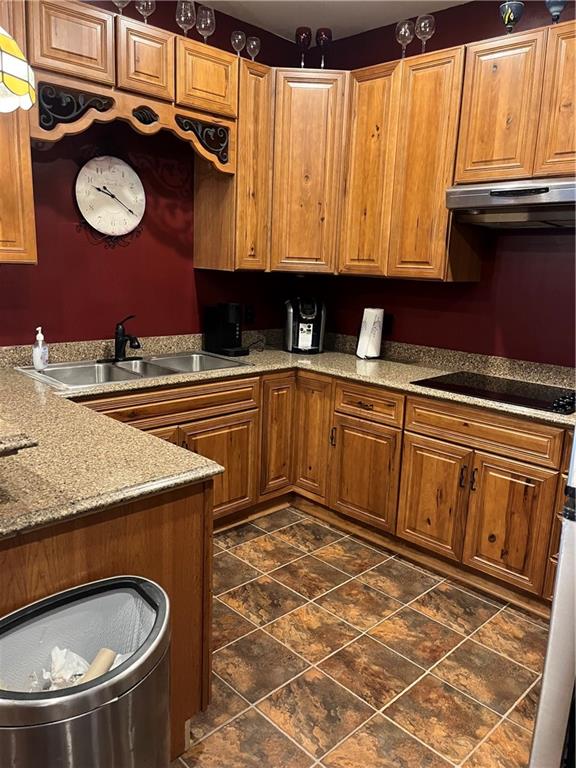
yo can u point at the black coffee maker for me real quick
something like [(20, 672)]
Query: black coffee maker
[(223, 330)]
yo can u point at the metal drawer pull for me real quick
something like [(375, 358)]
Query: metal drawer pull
[(463, 473), (333, 436), (473, 485), (366, 406)]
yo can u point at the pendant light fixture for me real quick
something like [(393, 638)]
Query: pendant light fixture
[(17, 89)]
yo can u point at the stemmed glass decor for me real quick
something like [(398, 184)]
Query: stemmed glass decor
[(253, 47), (404, 34), (238, 40), (185, 15), (205, 22), (323, 40), (555, 8), (120, 4), (146, 8), (425, 28), (303, 38)]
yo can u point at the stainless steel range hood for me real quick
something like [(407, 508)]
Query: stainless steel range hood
[(533, 203)]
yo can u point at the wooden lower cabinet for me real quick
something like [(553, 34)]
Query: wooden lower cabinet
[(170, 434), (312, 433), (278, 401), (509, 519), (434, 494), (365, 469), (231, 441)]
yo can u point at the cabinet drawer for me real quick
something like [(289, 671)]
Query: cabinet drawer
[(524, 440), (145, 58), (207, 78), (369, 403), (163, 407)]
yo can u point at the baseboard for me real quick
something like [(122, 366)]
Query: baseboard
[(252, 513)]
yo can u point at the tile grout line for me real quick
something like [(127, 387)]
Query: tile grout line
[(419, 740)]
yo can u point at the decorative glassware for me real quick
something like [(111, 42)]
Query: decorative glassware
[(238, 40), (185, 15), (303, 38), (425, 28), (404, 34), (323, 40), (555, 8), (120, 4), (205, 22), (511, 12), (253, 47), (146, 8)]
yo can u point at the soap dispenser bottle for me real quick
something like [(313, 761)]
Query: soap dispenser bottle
[(40, 351)]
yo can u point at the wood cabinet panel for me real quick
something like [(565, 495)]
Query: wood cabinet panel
[(372, 403), (206, 78), (232, 442), (308, 144), (500, 105), (365, 469), (74, 38), (367, 204), (430, 105), (145, 58), (278, 402), (254, 174), (312, 432), (170, 434), (556, 145), (509, 519), (487, 430), (17, 222), (434, 494)]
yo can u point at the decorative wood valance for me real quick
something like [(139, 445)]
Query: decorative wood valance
[(68, 106)]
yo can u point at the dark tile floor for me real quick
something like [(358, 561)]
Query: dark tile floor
[(333, 653)]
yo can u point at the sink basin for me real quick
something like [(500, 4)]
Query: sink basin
[(144, 368), (195, 362), (75, 375)]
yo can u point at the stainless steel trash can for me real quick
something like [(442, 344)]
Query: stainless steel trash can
[(118, 720)]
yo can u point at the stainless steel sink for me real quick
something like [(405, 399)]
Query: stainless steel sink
[(195, 362), (76, 375), (144, 368)]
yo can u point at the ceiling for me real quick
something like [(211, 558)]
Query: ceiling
[(344, 17)]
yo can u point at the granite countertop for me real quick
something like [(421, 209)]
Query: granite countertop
[(82, 462), (13, 440)]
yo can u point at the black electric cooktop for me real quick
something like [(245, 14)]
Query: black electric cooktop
[(525, 393)]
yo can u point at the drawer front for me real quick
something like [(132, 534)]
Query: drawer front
[(524, 440), (163, 407), (145, 58), (370, 403), (207, 78)]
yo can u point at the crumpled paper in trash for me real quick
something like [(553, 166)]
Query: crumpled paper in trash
[(66, 669)]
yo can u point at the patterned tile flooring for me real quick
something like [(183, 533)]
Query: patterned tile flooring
[(330, 652)]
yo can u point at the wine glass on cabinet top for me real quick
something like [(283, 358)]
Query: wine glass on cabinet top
[(238, 40), (253, 47), (120, 4), (146, 8), (404, 34), (425, 28), (323, 40), (205, 22), (185, 15), (303, 38)]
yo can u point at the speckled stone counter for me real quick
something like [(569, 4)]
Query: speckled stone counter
[(83, 461), (13, 440)]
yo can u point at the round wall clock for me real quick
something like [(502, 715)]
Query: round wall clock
[(110, 196)]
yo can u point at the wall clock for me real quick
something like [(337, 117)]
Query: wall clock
[(110, 196)]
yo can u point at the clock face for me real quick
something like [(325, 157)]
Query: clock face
[(110, 195)]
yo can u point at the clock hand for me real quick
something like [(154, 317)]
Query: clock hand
[(113, 196)]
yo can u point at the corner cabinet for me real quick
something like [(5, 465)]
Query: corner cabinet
[(312, 434), (428, 122), (277, 432), (17, 222), (308, 148)]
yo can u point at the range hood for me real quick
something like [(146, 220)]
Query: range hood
[(532, 204)]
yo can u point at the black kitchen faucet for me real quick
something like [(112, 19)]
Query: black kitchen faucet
[(121, 338)]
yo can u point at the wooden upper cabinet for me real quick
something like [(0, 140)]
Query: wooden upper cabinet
[(74, 38), (254, 173), (509, 519), (429, 109), (500, 107), (278, 402), (145, 58), (367, 207), (206, 78), (434, 494), (308, 146), (312, 433), (556, 145), (17, 225)]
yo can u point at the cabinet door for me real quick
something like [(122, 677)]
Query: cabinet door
[(74, 38), (278, 400), (365, 467), (231, 441), (367, 208), (206, 78), (429, 108), (170, 434), (145, 58), (254, 174), (17, 226), (308, 144), (434, 494), (500, 105), (312, 434), (509, 518), (556, 146)]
